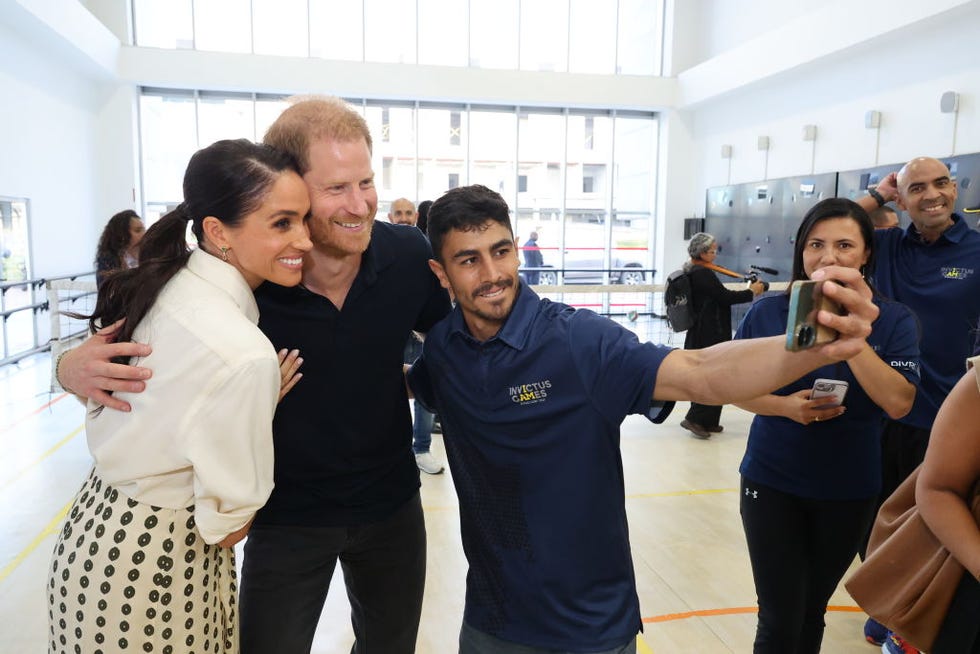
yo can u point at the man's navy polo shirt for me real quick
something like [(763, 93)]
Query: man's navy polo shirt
[(343, 435), (837, 459), (531, 420), (939, 281)]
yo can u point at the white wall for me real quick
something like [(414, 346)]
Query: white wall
[(901, 73)]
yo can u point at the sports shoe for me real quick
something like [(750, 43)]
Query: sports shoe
[(696, 430), (875, 632), (429, 464), (895, 645)]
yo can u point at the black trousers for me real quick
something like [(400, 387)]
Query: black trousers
[(287, 571), (960, 633), (705, 415), (903, 448), (799, 549)]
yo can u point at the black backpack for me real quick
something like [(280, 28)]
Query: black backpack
[(678, 301)]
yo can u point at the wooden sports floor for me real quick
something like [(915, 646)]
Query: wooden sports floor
[(692, 568)]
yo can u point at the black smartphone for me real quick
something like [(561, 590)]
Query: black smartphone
[(803, 331)]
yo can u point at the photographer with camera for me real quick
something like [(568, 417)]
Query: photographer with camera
[(812, 467), (712, 310)]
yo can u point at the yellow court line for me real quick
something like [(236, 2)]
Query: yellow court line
[(703, 491), (51, 528), (641, 646), (51, 451)]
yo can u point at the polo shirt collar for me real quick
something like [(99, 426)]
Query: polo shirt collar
[(227, 278), (517, 327), (954, 234)]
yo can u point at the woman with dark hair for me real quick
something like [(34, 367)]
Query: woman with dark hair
[(144, 559), (812, 468), (118, 247), (712, 308), (423, 212)]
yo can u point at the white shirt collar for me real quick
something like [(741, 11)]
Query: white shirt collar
[(227, 278)]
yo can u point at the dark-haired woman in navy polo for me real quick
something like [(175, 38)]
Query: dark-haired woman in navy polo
[(812, 471)]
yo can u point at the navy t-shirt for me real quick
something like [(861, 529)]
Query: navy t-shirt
[(531, 420), (343, 434), (838, 459), (940, 282)]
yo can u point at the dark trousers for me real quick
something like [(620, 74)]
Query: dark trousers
[(960, 633), (903, 448), (706, 415), (799, 549), (473, 641), (287, 571)]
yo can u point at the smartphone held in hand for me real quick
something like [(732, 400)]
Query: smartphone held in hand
[(806, 298), (829, 388)]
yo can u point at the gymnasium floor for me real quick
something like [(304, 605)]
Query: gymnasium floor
[(693, 574)]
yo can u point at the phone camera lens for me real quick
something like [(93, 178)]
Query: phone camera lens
[(805, 336)]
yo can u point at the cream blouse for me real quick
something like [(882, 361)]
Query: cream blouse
[(201, 432)]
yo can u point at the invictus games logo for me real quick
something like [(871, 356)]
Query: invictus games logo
[(530, 393), (952, 272)]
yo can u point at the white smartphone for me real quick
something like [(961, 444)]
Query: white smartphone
[(829, 388)]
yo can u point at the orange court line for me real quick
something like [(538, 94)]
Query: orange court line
[(668, 617), (33, 413)]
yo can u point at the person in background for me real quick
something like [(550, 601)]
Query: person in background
[(532, 259), (712, 308), (119, 244), (532, 394), (949, 474), (884, 217), (812, 468), (423, 221), (931, 266), (177, 481), (403, 212)]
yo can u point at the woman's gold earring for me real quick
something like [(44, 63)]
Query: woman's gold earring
[(224, 254)]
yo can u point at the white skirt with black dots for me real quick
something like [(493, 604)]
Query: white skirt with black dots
[(130, 577)]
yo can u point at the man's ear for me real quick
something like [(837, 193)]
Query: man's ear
[(440, 273), (898, 201)]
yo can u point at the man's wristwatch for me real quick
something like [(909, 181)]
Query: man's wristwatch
[(879, 198)]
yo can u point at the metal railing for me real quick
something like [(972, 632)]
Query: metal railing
[(29, 325)]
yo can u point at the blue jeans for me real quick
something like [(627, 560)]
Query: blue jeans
[(422, 429)]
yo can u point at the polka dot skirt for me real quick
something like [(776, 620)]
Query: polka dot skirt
[(130, 577)]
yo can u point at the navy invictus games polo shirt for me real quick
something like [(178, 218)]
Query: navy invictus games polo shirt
[(837, 459), (343, 435), (940, 282), (531, 420)]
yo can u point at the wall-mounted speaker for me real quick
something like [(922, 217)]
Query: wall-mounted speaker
[(949, 102), (692, 226), (763, 142), (872, 119), (726, 152)]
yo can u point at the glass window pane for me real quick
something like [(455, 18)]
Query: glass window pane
[(329, 42), (592, 32), (493, 143), (281, 27), (163, 23), (168, 132), (392, 31), (442, 151), (223, 25), (634, 193), (640, 36), (541, 140), (225, 118), (266, 112), (393, 131), (442, 32), (493, 34), (544, 35)]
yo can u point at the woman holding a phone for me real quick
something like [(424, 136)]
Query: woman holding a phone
[(812, 466)]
